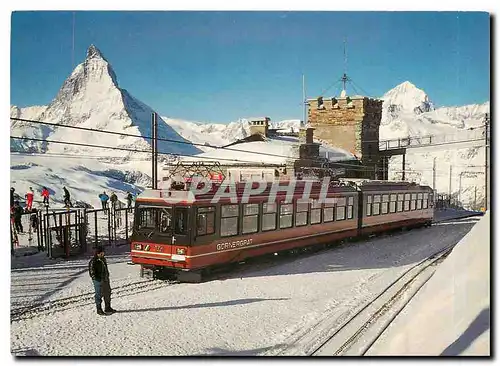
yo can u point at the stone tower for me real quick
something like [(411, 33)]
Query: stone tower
[(350, 123)]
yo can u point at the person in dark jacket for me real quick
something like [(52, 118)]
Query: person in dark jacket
[(129, 200), (12, 190), (98, 270), (17, 213), (34, 219), (113, 200), (67, 201)]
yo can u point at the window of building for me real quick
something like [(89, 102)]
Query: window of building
[(286, 215), (205, 220), (269, 216), (301, 213), (250, 218), (229, 220)]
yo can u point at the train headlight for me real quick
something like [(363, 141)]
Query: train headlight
[(181, 251)]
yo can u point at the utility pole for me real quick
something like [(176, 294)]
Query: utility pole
[(154, 147), (486, 152), (449, 189), (304, 98)]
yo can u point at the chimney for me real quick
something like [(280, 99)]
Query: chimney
[(309, 135)]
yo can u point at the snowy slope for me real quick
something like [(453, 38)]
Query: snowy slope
[(450, 315), (30, 130)]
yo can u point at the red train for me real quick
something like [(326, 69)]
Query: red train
[(186, 232)]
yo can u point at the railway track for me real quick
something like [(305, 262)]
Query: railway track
[(356, 335), (65, 303)]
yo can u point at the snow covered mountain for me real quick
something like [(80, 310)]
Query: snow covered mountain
[(91, 97), (408, 111)]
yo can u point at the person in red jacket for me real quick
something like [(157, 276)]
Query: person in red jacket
[(45, 195), (29, 199)]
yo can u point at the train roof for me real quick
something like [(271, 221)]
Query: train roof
[(370, 184)]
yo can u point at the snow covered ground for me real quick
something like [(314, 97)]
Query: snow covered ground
[(260, 309), (454, 304)]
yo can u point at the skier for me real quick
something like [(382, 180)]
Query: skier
[(29, 199), (129, 200), (67, 201), (98, 270), (12, 190), (104, 200), (45, 195), (18, 213), (113, 200)]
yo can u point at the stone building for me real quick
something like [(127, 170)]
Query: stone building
[(349, 123)]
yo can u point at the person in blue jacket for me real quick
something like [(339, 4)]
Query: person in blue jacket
[(104, 200)]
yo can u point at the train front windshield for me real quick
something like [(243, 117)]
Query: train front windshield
[(162, 220)]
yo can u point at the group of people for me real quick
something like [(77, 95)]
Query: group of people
[(114, 199)]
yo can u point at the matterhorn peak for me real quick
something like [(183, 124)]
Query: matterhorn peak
[(93, 52)]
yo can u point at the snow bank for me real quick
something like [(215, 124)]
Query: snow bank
[(451, 314)]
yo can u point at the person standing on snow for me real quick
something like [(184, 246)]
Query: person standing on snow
[(29, 199), (129, 200), (17, 213), (45, 195), (12, 190), (67, 201), (113, 200), (98, 270), (104, 200)]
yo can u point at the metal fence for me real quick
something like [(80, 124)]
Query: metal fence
[(70, 232), (420, 141)]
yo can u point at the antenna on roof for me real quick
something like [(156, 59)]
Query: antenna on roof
[(73, 44), (344, 77)]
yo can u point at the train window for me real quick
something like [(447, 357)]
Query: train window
[(327, 214), (315, 211), (250, 218), (376, 209), (425, 204), (407, 205), (400, 206), (385, 207), (393, 198), (413, 205), (401, 197), (147, 218), (369, 199), (350, 201), (340, 213), (349, 212), (407, 196), (315, 203), (301, 213), (269, 216), (419, 204), (368, 209), (286, 214), (341, 201), (392, 207), (413, 196), (181, 220), (426, 196), (329, 204), (166, 222), (385, 198), (205, 221), (229, 220), (376, 198), (420, 196)]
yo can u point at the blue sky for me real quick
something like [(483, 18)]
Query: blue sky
[(221, 66)]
